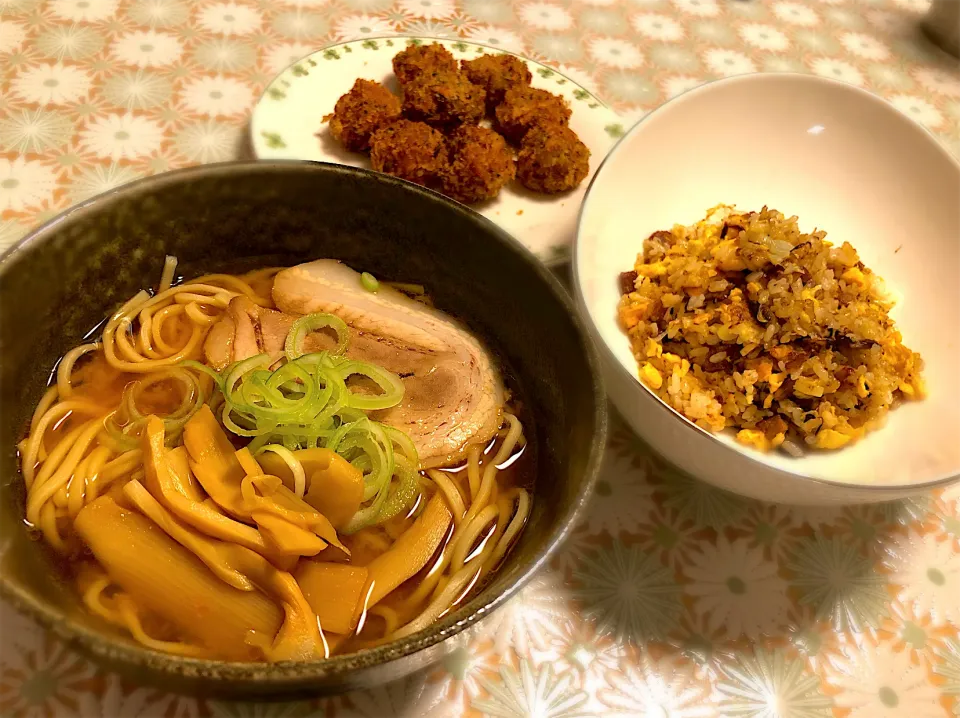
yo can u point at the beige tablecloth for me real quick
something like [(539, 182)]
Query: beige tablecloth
[(671, 599)]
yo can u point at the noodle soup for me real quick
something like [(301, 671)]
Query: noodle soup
[(281, 465)]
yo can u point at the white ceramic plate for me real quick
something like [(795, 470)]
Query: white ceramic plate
[(287, 124)]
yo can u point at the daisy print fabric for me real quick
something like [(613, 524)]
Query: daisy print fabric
[(670, 598)]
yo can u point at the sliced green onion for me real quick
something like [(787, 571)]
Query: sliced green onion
[(202, 368), (236, 371), (299, 476), (369, 282), (306, 403), (403, 441), (388, 382), (293, 347), (128, 435), (405, 493), (226, 419), (123, 439)]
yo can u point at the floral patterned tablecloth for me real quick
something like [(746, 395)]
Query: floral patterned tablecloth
[(671, 600)]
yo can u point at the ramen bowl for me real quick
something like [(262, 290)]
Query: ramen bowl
[(61, 281), (841, 160)]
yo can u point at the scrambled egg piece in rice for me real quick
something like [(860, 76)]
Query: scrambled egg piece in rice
[(743, 321)]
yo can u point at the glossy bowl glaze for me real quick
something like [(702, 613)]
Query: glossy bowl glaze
[(65, 277), (842, 160)]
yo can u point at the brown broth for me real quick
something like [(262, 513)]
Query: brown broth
[(519, 471)]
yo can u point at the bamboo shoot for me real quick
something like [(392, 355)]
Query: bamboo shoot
[(169, 581), (410, 552), (333, 591)]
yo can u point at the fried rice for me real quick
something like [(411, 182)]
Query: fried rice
[(741, 321)]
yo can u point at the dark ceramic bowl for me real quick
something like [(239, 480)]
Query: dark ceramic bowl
[(65, 277)]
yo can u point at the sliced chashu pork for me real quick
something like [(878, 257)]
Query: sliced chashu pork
[(453, 392), (246, 330)]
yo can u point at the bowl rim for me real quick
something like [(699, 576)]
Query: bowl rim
[(287, 675), (579, 247)]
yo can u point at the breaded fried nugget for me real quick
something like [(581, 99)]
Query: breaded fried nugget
[(496, 74), (418, 60), (443, 99), (480, 164), (412, 151), (522, 107), (359, 113), (552, 159)]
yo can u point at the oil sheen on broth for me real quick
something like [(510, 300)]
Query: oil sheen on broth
[(281, 465)]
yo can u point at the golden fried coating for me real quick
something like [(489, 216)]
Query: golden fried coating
[(522, 107), (357, 114), (496, 74), (443, 99), (552, 159), (480, 164), (417, 60), (413, 151)]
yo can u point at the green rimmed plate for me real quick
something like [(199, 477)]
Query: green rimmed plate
[(287, 124)]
